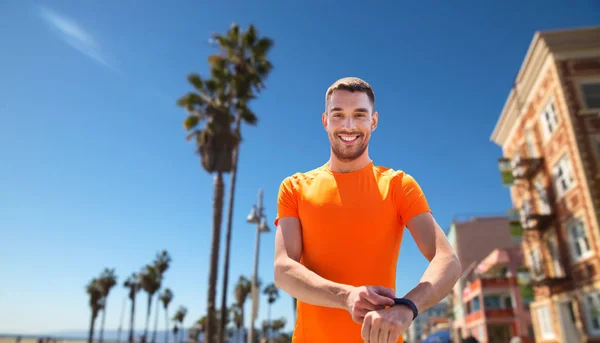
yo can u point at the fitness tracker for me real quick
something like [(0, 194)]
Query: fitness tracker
[(409, 303)]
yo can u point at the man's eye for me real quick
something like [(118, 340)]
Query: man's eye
[(337, 114)]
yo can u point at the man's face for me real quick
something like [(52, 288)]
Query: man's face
[(349, 121)]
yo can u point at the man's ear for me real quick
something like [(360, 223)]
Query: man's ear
[(374, 121), (324, 120)]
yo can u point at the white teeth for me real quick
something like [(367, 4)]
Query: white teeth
[(348, 139)]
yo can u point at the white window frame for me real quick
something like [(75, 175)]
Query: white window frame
[(525, 211), (535, 259), (544, 318), (591, 304), (555, 254), (543, 200), (530, 142), (549, 119), (582, 240), (563, 176)]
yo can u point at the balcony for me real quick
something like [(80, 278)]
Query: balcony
[(499, 313), (519, 168), (526, 218), (553, 282), (536, 221)]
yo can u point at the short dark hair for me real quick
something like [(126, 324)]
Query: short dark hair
[(351, 84)]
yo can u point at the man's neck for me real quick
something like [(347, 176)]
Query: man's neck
[(338, 166)]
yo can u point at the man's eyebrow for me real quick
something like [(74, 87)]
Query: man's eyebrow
[(336, 109)]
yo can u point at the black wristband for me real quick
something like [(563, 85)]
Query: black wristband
[(409, 303)]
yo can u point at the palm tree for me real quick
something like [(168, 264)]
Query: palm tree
[(175, 331), (134, 286), (179, 317), (106, 282), (238, 320), (246, 56), (95, 294), (161, 264), (272, 294), (242, 291), (121, 319), (149, 279), (220, 100), (166, 297)]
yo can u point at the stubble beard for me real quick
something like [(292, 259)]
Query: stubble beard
[(346, 153)]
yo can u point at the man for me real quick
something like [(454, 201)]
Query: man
[(339, 229)]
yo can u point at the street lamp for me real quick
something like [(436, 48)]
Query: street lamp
[(257, 217)]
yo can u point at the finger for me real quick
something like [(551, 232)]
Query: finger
[(366, 305), (361, 312), (366, 328), (374, 334), (386, 292), (383, 336), (394, 336), (377, 299)]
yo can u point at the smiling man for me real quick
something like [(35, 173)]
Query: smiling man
[(339, 230)]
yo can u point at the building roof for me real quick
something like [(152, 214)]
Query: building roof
[(560, 44)]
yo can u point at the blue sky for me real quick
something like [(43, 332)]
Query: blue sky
[(96, 171)]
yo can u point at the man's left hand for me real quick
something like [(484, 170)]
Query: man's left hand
[(386, 326)]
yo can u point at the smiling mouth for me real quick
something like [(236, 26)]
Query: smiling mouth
[(349, 139)]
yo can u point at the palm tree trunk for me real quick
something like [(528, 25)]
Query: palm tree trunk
[(167, 325), (228, 232), (103, 320), (145, 337), (121, 320), (156, 320), (132, 321), (92, 321), (211, 322)]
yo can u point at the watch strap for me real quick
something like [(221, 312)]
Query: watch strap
[(409, 304)]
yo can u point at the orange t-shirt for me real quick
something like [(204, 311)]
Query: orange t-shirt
[(352, 227)]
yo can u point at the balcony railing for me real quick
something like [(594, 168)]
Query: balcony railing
[(519, 168), (550, 281), (535, 221)]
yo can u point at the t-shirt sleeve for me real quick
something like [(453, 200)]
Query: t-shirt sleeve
[(410, 199), (287, 200)]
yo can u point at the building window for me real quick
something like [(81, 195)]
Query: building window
[(536, 263), (563, 176), (530, 143), (497, 302), (525, 212), (475, 304), (580, 245), (543, 201), (545, 321), (558, 272), (592, 309), (549, 120), (591, 95)]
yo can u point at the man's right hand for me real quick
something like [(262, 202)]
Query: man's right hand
[(362, 300)]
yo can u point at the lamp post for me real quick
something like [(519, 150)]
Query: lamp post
[(257, 217)]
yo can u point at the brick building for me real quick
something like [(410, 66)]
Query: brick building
[(473, 240), (549, 131), (497, 295)]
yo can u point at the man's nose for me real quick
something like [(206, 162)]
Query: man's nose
[(349, 123)]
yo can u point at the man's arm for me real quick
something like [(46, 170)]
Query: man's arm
[(444, 268), (437, 281), (296, 279), (306, 286)]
